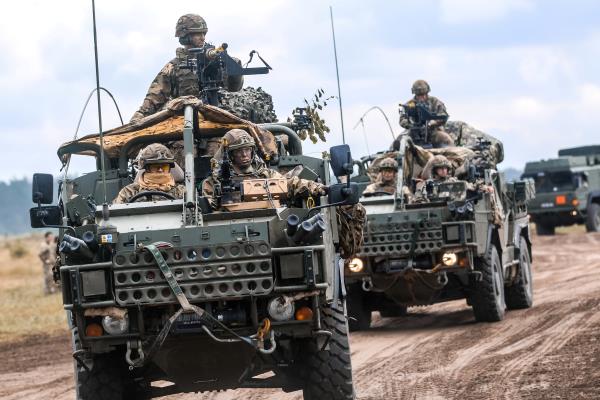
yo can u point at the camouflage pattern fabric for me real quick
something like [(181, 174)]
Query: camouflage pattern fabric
[(351, 222), (251, 104), (47, 256), (435, 106), (465, 135), (177, 191), (380, 186), (297, 187)]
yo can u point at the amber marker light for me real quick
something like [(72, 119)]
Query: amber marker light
[(93, 330), (561, 200), (304, 314), (575, 202)]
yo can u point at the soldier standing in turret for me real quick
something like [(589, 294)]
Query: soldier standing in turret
[(173, 81), (436, 135)]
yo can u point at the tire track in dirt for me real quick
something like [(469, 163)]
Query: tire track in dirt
[(436, 352)]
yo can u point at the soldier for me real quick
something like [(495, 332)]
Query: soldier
[(386, 178), (48, 256), (437, 170), (435, 128), (173, 81), (156, 165), (247, 165)]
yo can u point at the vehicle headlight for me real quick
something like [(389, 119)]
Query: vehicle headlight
[(281, 308), (449, 259), (115, 326), (356, 265)]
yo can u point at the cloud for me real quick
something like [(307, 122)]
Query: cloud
[(476, 11)]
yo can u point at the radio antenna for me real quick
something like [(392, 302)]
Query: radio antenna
[(337, 73), (105, 205)]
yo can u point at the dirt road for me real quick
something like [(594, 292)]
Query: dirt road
[(438, 352)]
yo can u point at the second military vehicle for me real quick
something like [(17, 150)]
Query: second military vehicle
[(167, 290), (567, 190), (459, 239)]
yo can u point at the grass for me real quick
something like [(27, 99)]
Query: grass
[(24, 309)]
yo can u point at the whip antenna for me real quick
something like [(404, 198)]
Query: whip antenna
[(105, 205), (337, 73)]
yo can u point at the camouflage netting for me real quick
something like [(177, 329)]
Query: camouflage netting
[(251, 104), (212, 121), (467, 136)]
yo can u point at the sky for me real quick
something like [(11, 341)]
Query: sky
[(524, 71)]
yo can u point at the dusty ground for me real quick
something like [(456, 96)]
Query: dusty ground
[(551, 351)]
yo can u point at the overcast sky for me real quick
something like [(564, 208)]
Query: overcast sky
[(527, 72)]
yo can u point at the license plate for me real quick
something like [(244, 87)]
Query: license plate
[(547, 205)]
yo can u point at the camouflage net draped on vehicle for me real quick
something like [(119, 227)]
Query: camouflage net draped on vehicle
[(351, 220), (251, 104)]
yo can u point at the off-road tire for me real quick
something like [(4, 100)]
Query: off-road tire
[(102, 382), (488, 295), (329, 371), (108, 379), (592, 221), (544, 229), (520, 293), (394, 312), (359, 313)]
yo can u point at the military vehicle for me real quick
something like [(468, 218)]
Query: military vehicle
[(568, 190), (460, 240), (170, 291)]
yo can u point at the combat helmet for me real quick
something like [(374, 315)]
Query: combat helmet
[(388, 163), (155, 153), (439, 161), (190, 23), (420, 87), (238, 139)]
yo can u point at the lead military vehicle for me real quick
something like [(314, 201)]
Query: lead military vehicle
[(462, 239), (169, 291), (568, 190)]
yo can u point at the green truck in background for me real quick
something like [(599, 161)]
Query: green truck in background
[(567, 190)]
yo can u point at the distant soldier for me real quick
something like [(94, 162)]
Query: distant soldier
[(412, 119), (48, 256), (173, 81), (246, 164), (386, 178), (156, 165)]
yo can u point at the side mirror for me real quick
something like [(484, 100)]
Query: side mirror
[(341, 160), (42, 188), (42, 217), (341, 192)]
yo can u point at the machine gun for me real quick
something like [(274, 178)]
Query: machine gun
[(216, 69), (420, 114), (229, 192)]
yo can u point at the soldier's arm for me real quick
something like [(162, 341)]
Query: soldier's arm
[(404, 119), (124, 195), (438, 108), (159, 93), (208, 192)]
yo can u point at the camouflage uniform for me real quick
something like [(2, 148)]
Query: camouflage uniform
[(153, 154), (380, 185), (437, 136), (429, 174), (297, 187), (47, 255)]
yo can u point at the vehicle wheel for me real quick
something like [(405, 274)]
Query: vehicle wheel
[(329, 371), (544, 229), (359, 313), (393, 312), (108, 379), (101, 382), (520, 293), (592, 223), (488, 294)]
